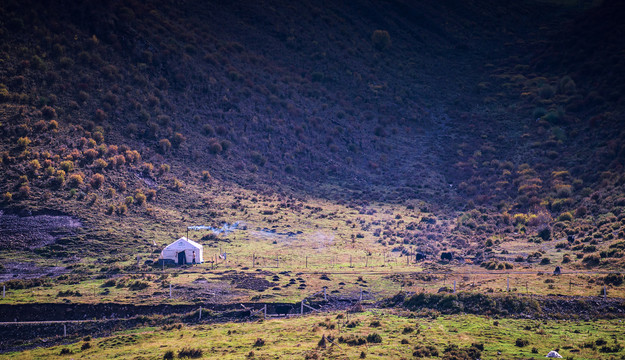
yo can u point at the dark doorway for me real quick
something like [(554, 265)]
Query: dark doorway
[(182, 259)]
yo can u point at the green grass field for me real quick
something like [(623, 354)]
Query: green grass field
[(401, 334)]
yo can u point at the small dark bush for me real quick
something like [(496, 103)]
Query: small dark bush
[(613, 279), (374, 338), (259, 342), (352, 340), (611, 349), (85, 346), (66, 351), (190, 353), (521, 342), (545, 234), (169, 355), (425, 351), (381, 39)]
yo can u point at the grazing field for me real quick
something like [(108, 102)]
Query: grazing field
[(375, 334)]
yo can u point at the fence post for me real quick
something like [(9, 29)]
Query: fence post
[(64, 330), (454, 286), (200, 317), (508, 285), (265, 312), (360, 295), (302, 310), (306, 262), (605, 291), (170, 290), (4, 289)]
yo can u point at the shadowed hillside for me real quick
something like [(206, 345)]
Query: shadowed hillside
[(500, 119)]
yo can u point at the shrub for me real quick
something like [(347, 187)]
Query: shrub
[(96, 181), (7, 197), (147, 168), (259, 342), (90, 154), (545, 234), (151, 194), (100, 115), (591, 260), (67, 166), (566, 85), (208, 130), (121, 209), (190, 353), (34, 165), (374, 338), (129, 200), (169, 355), (615, 279), (23, 142), (566, 259), (164, 146), (24, 191), (178, 139), (48, 112), (425, 351), (85, 346), (176, 185), (100, 164), (164, 168), (214, 146), (132, 156), (566, 216), (140, 198), (258, 158), (110, 192), (381, 39), (206, 175), (521, 342), (75, 180)]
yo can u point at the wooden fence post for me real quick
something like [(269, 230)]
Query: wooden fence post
[(302, 310), (64, 330), (200, 317), (170, 290)]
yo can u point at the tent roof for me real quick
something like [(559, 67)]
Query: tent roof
[(182, 242)]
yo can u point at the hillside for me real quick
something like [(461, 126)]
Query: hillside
[(462, 126)]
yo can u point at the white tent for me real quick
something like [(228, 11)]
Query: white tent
[(181, 252)]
